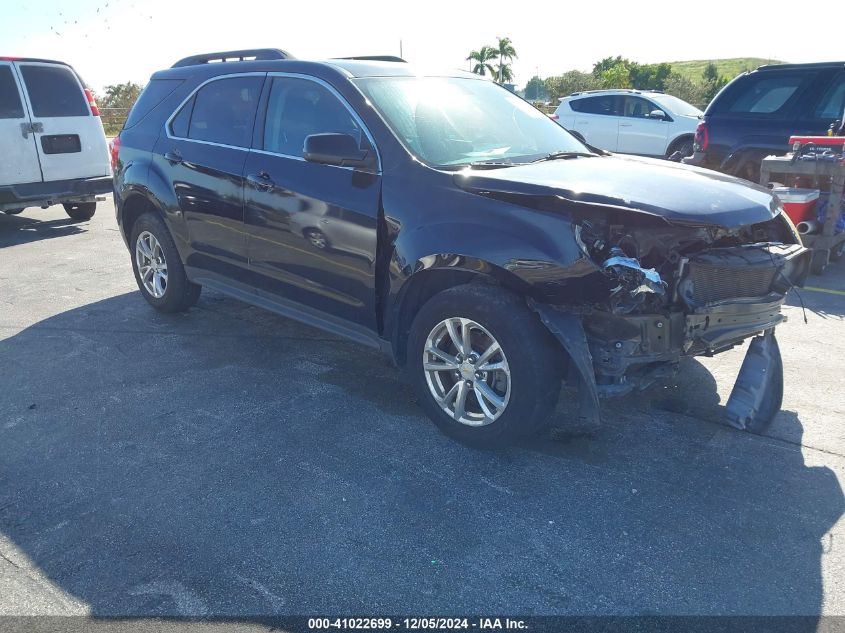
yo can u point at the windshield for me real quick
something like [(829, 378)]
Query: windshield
[(678, 106), (451, 122)]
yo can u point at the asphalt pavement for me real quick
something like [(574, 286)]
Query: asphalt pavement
[(229, 463)]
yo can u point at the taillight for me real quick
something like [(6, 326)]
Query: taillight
[(702, 138), (554, 117), (114, 148), (91, 103)]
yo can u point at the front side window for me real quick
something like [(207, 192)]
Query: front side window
[(54, 91), (298, 108), (638, 108), (224, 111), (10, 101), (450, 122)]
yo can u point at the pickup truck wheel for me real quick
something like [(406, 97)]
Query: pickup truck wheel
[(158, 268), (13, 211), (79, 212), (485, 369)]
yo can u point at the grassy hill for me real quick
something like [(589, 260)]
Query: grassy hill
[(730, 68)]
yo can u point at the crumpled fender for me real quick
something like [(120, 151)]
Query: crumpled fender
[(567, 328)]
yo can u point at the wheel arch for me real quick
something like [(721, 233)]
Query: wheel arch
[(675, 142), (444, 272)]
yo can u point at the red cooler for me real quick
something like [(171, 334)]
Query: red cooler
[(799, 204)]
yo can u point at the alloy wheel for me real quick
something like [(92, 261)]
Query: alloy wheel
[(152, 266), (467, 372)]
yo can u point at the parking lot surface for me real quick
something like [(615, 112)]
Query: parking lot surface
[(230, 463)]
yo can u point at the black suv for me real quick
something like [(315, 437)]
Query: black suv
[(756, 113), (451, 224)]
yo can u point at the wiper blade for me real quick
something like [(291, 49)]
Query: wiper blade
[(562, 155), (492, 164)]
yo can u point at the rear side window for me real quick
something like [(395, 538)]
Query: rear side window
[(54, 91), (224, 111), (763, 94), (605, 105), (156, 91), (832, 104), (10, 101)]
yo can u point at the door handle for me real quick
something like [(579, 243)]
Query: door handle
[(35, 128), (261, 181), (625, 124), (174, 157)]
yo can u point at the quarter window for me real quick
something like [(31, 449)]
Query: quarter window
[(832, 103), (224, 111), (765, 95), (10, 101), (298, 108), (54, 91), (180, 123)]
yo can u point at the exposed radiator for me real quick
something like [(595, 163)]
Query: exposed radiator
[(708, 284)]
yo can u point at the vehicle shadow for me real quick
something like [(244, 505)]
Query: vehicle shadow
[(15, 229), (229, 463)]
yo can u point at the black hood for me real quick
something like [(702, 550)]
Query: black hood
[(679, 193)]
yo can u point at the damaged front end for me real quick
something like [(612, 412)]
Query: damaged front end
[(675, 290)]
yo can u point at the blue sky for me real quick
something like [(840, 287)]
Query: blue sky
[(111, 41)]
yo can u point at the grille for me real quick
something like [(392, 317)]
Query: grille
[(708, 283)]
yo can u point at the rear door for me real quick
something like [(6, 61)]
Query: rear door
[(203, 154), (68, 136), (597, 120), (638, 132), (18, 156)]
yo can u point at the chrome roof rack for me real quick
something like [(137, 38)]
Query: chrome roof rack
[(375, 58)]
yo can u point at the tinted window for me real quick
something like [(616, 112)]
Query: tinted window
[(10, 101), (298, 108), (224, 111), (832, 103), (638, 108), (596, 105), (179, 125), (764, 95), (54, 91), (155, 92)]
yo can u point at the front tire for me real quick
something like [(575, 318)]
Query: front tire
[(13, 211), (684, 146), (158, 268), (485, 369), (80, 211)]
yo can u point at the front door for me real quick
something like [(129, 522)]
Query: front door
[(204, 151), (69, 138), (639, 132), (312, 228), (18, 156)]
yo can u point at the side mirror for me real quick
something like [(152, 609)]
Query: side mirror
[(657, 114), (337, 149)]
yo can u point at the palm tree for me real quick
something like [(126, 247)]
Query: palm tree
[(506, 52), (504, 73), (482, 59)]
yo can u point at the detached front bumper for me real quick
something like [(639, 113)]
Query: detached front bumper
[(42, 194)]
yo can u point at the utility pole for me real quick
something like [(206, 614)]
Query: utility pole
[(400, 49)]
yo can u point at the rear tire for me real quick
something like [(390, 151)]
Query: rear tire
[(684, 145), (505, 394), (13, 211), (80, 211), (159, 273)]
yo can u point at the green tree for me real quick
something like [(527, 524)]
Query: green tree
[(121, 96), (649, 76), (610, 63), (685, 89), (617, 76), (569, 82), (507, 53), (713, 82), (535, 89), (480, 60)]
